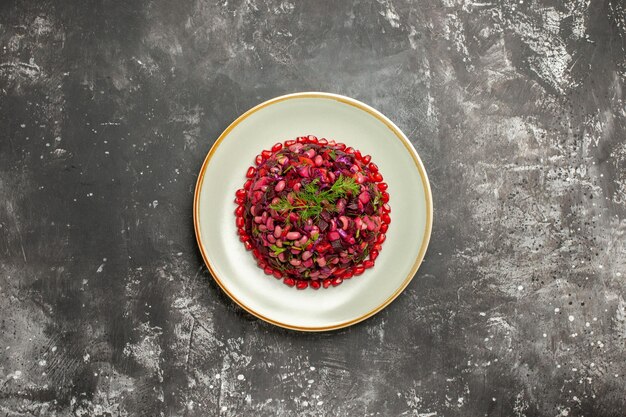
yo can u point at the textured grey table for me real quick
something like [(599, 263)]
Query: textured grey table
[(516, 107)]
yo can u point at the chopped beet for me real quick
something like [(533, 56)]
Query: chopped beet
[(313, 211)]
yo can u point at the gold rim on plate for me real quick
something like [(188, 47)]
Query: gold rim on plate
[(396, 131)]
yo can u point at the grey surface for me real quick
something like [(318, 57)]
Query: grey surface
[(108, 108)]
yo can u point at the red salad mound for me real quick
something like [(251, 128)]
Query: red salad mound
[(313, 212)]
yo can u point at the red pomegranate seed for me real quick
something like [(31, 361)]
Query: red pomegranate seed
[(244, 238), (378, 247), (239, 222), (377, 177), (336, 281), (341, 146), (367, 159), (384, 227), (247, 245), (302, 284), (373, 167), (384, 196), (289, 281), (277, 274), (266, 154), (322, 142), (247, 185), (326, 283), (290, 142), (381, 238), (382, 186), (348, 274), (349, 150), (374, 255), (386, 208), (268, 270), (239, 211), (359, 270), (241, 231), (315, 285), (385, 218), (240, 193), (256, 253), (277, 147), (358, 156), (368, 264), (251, 172), (258, 160)]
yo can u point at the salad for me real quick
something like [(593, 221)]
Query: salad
[(313, 212)]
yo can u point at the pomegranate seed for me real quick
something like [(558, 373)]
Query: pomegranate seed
[(277, 274), (256, 253), (385, 218), (373, 167), (268, 270), (239, 211), (239, 222), (367, 159), (251, 172), (266, 154), (258, 160), (301, 284), (241, 231), (277, 147), (322, 141), (289, 281), (312, 139), (336, 281), (358, 156), (378, 247), (240, 193), (359, 270), (383, 186), (374, 255), (377, 177), (384, 227), (315, 285), (247, 185), (239, 200), (348, 275), (290, 142), (244, 238), (326, 283), (381, 238), (341, 146), (247, 245), (368, 264), (386, 208)]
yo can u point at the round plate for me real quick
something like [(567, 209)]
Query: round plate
[(333, 117)]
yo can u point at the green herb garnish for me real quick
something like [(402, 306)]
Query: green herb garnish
[(311, 201), (277, 251)]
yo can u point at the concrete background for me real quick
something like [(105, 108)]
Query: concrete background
[(107, 109)]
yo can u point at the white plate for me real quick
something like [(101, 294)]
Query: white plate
[(333, 117)]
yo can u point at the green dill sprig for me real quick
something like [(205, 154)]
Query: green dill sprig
[(311, 201)]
